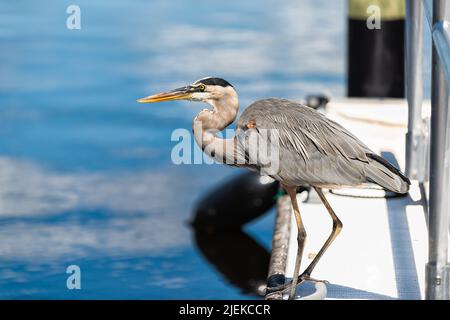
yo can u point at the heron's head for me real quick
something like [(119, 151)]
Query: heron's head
[(207, 90)]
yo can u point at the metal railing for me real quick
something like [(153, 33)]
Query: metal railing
[(438, 16)]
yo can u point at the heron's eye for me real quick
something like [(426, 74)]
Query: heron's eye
[(202, 87)]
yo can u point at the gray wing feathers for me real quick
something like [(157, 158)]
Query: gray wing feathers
[(317, 150), (381, 172), (304, 129)]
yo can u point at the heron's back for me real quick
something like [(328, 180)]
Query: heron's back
[(316, 150)]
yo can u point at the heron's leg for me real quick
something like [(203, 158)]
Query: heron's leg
[(337, 226), (301, 237)]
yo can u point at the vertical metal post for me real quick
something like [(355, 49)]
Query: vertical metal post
[(413, 87), (437, 282)]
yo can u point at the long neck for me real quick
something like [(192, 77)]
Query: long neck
[(208, 123)]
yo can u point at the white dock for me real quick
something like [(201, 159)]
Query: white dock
[(382, 250)]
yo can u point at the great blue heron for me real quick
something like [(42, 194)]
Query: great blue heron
[(311, 150)]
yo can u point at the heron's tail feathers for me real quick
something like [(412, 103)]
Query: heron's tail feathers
[(381, 172)]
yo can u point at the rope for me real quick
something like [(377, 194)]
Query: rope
[(370, 121)]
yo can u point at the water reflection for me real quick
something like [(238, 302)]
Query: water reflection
[(86, 175), (120, 227), (41, 209), (219, 235), (235, 202), (239, 258)]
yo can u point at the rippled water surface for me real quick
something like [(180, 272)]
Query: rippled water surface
[(86, 176)]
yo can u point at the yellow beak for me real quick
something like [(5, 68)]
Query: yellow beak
[(178, 94)]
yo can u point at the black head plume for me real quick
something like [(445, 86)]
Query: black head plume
[(210, 81)]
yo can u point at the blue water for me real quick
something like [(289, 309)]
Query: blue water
[(86, 176)]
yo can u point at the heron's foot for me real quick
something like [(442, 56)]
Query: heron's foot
[(283, 288), (280, 288), (306, 277)]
